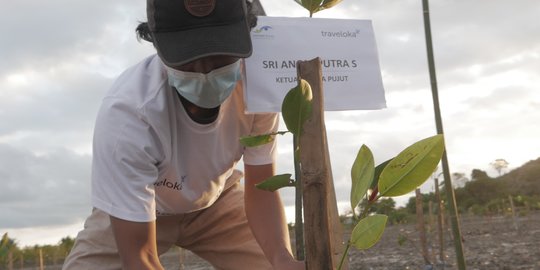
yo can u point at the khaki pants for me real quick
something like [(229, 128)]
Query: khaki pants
[(219, 234)]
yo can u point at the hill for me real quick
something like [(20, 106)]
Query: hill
[(483, 194), (486, 195), (524, 180)]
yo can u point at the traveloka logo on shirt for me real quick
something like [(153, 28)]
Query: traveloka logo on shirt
[(172, 185)]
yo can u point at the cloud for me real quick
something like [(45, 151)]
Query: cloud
[(40, 33), (52, 85), (50, 189), (58, 102)]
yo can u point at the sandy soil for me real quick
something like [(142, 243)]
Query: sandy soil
[(489, 243)]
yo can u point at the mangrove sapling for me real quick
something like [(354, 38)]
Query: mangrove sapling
[(395, 177)]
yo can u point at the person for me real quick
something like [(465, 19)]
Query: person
[(166, 145)]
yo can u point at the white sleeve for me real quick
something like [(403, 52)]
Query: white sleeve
[(263, 123), (124, 168)]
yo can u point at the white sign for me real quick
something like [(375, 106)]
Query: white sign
[(350, 65)]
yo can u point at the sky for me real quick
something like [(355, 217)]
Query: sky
[(60, 56)]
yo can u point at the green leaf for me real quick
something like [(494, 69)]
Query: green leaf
[(378, 171), (362, 175), (368, 231), (253, 141), (276, 182), (314, 6), (311, 5), (326, 4), (412, 167), (296, 107)]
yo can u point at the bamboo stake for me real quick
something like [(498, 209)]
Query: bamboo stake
[(10, 260), (430, 217), (452, 206), (41, 266), (514, 219), (440, 219), (432, 255), (323, 234), (420, 225)]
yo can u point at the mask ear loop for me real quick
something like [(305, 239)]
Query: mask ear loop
[(244, 83)]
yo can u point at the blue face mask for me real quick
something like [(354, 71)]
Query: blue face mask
[(206, 90)]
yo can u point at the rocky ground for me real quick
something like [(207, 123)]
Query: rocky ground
[(489, 243)]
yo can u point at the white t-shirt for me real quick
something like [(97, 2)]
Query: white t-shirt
[(150, 158)]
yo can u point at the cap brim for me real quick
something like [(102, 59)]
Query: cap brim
[(179, 48)]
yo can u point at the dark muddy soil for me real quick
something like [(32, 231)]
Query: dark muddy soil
[(489, 243)]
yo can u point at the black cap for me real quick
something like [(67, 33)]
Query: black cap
[(185, 30)]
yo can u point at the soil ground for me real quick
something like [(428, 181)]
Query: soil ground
[(489, 243)]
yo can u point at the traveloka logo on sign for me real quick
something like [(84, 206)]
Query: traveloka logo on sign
[(263, 32), (262, 29), (341, 34)]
